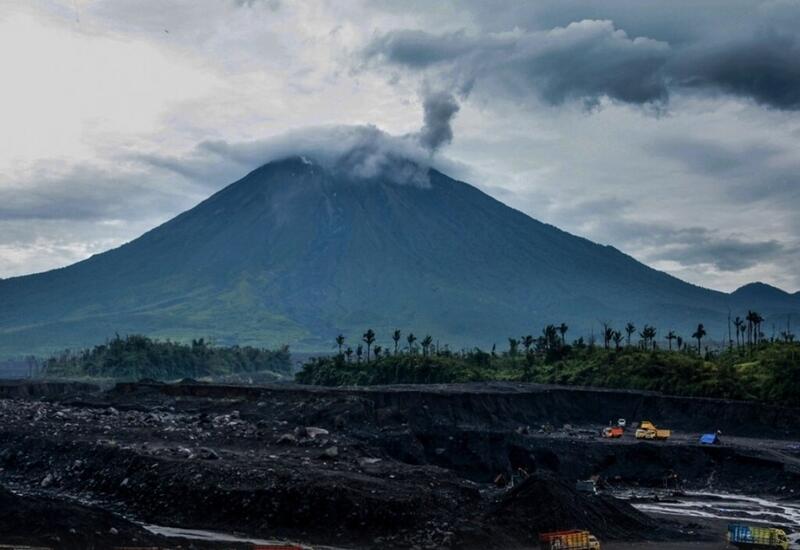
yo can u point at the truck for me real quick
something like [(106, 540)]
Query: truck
[(613, 431), (751, 536), (648, 430), (569, 540)]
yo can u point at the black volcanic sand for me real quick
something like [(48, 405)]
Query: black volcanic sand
[(385, 467), (50, 522), (57, 523)]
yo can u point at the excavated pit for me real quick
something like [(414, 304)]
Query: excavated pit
[(389, 467)]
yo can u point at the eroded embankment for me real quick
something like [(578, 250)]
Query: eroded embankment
[(27, 389), (479, 431), (480, 455), (502, 404)]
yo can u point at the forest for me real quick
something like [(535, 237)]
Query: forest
[(137, 357)]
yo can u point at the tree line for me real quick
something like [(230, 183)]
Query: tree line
[(748, 335), (136, 357), (750, 366)]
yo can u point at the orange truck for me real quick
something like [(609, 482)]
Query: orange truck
[(613, 431), (569, 540)]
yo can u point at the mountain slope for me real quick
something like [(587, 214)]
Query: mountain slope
[(763, 293), (295, 253)]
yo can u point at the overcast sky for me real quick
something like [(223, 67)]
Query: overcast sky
[(670, 130)]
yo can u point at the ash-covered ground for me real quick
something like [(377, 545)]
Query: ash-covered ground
[(383, 467)]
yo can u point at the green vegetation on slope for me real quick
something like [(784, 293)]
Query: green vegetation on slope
[(136, 357), (767, 371)]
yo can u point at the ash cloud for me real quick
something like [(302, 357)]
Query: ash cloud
[(440, 108)]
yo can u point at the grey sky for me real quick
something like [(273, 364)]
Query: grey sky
[(667, 129)]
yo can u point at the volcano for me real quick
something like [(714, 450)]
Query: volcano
[(297, 252)]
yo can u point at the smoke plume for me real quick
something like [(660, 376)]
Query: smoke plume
[(440, 108)]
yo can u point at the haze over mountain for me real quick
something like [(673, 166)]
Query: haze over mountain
[(301, 249)]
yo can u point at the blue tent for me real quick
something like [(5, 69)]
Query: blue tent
[(709, 439)]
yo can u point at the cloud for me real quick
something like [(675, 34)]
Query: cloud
[(694, 245), (55, 191), (440, 108), (747, 170), (420, 49), (725, 254), (713, 157), (585, 60), (360, 151), (592, 59), (54, 214), (764, 67), (273, 5)]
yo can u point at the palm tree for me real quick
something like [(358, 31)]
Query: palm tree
[(359, 353), (562, 329), (757, 320), (411, 339), (648, 335), (670, 337), (550, 336), (527, 342), (698, 335), (340, 342), (396, 338), (513, 346), (377, 352), (679, 342), (651, 332), (608, 333), (738, 324), (369, 339), (617, 336), (348, 353), (630, 328), (426, 344)]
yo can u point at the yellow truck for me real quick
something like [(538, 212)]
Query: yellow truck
[(751, 536), (648, 430), (568, 540)]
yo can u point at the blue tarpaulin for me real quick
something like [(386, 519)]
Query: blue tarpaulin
[(709, 439)]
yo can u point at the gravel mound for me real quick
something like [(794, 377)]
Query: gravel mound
[(543, 503)]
